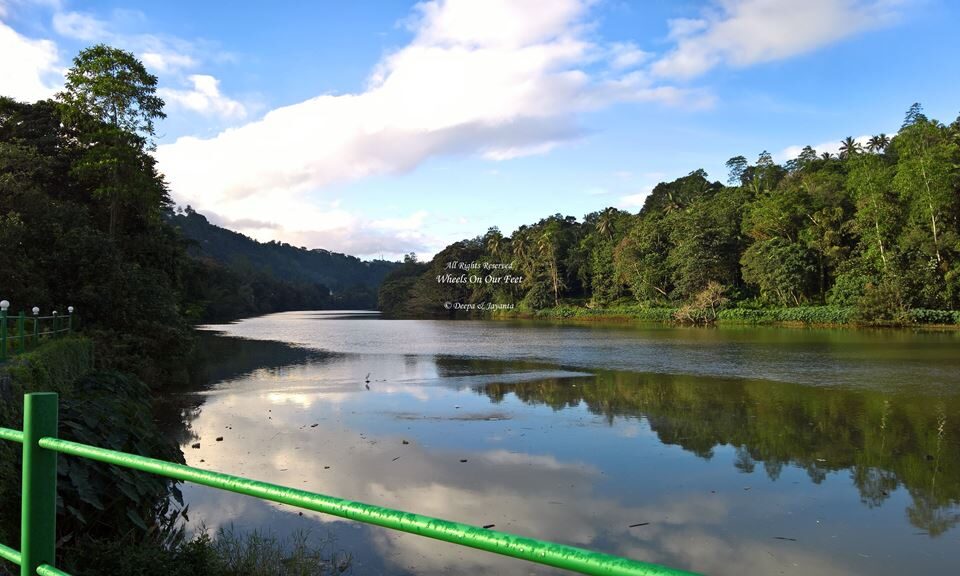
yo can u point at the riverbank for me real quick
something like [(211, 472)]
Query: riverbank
[(798, 316)]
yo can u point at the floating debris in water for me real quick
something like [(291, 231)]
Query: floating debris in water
[(406, 442), (784, 538), (488, 526), (639, 525), (463, 460), (195, 446), (220, 439)]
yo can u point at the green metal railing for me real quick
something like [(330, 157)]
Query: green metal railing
[(38, 521), (15, 337)]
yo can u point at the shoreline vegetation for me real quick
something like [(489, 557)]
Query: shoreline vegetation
[(828, 316), (868, 236)]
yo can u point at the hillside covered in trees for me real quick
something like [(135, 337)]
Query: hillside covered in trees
[(871, 234), (354, 282)]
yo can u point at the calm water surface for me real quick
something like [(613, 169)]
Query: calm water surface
[(739, 450)]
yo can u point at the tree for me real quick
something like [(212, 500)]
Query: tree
[(736, 166), (780, 269), (110, 85), (927, 179), (849, 147), (878, 143), (111, 95), (877, 213)]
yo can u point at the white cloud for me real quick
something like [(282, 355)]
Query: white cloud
[(832, 146), (499, 79), (167, 61), (626, 55), (204, 97), (29, 69), (78, 26), (744, 32), (635, 201)]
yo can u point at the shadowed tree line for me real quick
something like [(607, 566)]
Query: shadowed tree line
[(885, 440), (874, 227)]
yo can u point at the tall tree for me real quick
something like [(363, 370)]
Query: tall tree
[(111, 93), (927, 178)]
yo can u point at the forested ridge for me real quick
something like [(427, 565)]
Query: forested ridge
[(353, 282), (869, 234)]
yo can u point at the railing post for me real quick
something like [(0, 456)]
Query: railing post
[(36, 326), (39, 503), (21, 318), (3, 334), (4, 304), (53, 333)]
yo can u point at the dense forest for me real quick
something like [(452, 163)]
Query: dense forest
[(871, 233), (353, 282)]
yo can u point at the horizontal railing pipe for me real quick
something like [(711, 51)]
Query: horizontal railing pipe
[(11, 435), (8, 553), (48, 570), (557, 555)]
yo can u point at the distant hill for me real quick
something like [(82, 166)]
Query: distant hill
[(240, 253)]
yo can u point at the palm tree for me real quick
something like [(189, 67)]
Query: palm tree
[(849, 147), (494, 242), (878, 143), (826, 156), (605, 223), (547, 248)]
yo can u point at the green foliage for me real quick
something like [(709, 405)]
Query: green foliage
[(52, 367), (876, 228), (113, 87), (781, 269), (799, 314), (105, 409), (228, 553), (883, 303), (108, 409)]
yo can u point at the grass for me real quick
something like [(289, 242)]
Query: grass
[(806, 315)]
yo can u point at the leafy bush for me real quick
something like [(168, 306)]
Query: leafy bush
[(704, 307), (923, 316), (800, 314), (882, 303)]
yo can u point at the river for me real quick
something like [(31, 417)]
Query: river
[(727, 451)]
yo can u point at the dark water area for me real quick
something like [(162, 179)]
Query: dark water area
[(723, 451)]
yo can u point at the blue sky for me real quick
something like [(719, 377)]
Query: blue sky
[(387, 127)]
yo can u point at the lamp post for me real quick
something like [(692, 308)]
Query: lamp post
[(54, 331), (70, 318), (4, 304), (21, 320), (36, 325)]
